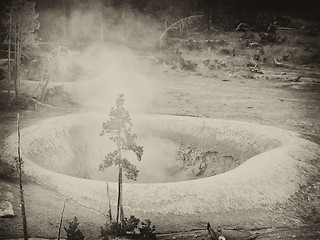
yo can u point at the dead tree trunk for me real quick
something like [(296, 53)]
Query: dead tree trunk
[(18, 61), (61, 219), (52, 63), (110, 213), (15, 61), (44, 89), (19, 58), (9, 55), (19, 166)]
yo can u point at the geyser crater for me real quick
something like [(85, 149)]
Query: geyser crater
[(259, 165), (184, 149)]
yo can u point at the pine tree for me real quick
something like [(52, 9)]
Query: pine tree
[(118, 127), (73, 232), (21, 22)]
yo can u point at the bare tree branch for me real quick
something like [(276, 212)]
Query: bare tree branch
[(181, 24)]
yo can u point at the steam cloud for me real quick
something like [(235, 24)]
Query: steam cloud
[(104, 70)]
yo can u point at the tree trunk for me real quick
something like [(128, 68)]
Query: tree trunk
[(120, 207), (61, 219), (51, 68), (44, 89), (110, 212), (120, 216), (19, 163), (15, 61), (19, 62), (9, 55), (65, 21), (101, 25)]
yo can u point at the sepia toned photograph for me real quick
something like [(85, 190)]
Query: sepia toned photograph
[(159, 120)]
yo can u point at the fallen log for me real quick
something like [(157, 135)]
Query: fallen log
[(42, 104)]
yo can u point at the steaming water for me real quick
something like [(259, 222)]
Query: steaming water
[(159, 162), (174, 150)]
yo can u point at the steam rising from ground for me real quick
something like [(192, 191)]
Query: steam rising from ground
[(104, 68), (158, 162), (109, 72), (94, 21)]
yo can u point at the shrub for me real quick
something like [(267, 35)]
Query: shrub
[(192, 45), (57, 96), (214, 65), (132, 228), (147, 231), (267, 38), (226, 51), (73, 232), (173, 57)]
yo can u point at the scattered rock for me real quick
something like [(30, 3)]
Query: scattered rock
[(297, 79), (6, 209), (254, 44), (256, 69), (278, 63), (253, 237), (250, 64)]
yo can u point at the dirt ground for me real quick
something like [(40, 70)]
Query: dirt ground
[(270, 98)]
